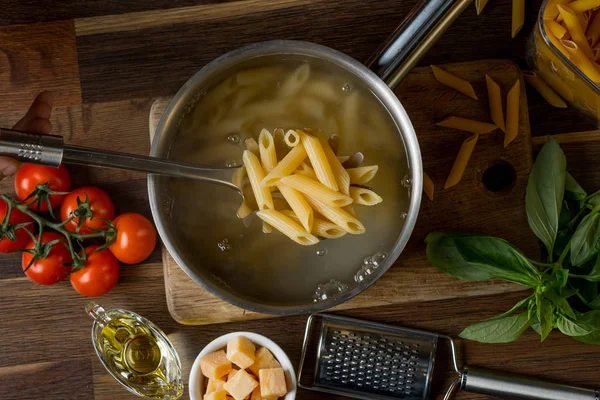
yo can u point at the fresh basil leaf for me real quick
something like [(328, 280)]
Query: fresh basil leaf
[(497, 257), (594, 274), (573, 328), (521, 304), (545, 312), (560, 302), (594, 304), (536, 327), (443, 254), (498, 330), (532, 310), (592, 319), (586, 239), (559, 278), (572, 189), (545, 192), (594, 199)]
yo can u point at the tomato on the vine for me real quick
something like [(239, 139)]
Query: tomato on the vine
[(99, 207), (29, 176), (20, 235), (50, 269), (136, 238), (99, 275)]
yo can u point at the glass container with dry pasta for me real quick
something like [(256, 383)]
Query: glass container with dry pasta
[(565, 50)]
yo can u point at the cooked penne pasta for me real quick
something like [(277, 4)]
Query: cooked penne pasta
[(288, 227), (221, 91), (518, 16), (238, 179), (243, 96), (298, 204), (575, 30), (512, 113), (321, 228), (338, 216), (296, 81), (453, 81), (580, 60), (349, 115), (258, 76), (286, 166), (495, 100), (341, 175), (291, 138), (319, 160), (252, 146), (544, 90), (323, 90), (306, 170), (266, 146), (362, 175), (428, 186), (364, 196), (266, 228), (311, 107), (480, 5), (317, 190), (244, 210), (467, 125), (256, 175), (461, 161)]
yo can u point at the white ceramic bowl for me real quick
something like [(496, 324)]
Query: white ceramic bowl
[(196, 382)]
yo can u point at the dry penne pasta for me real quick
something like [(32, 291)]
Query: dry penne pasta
[(518, 16), (295, 81), (306, 170), (559, 31), (288, 227), (321, 228), (461, 161), (453, 81), (495, 100), (428, 186), (258, 76), (467, 125), (266, 146), (593, 31), (256, 175), (480, 5), (317, 190), (551, 10), (512, 113), (338, 216), (364, 196), (580, 60), (341, 175), (319, 161), (575, 30), (579, 6), (286, 166), (298, 204), (544, 90), (291, 138), (252, 146), (362, 175)]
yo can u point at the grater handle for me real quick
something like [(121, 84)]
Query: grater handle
[(31, 147), (504, 385)]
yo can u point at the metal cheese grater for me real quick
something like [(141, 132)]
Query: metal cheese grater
[(373, 361)]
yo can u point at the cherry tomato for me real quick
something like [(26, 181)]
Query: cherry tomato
[(51, 269), (31, 175), (100, 204), (136, 238), (100, 274), (16, 217)]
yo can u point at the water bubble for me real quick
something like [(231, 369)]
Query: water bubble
[(234, 138), (231, 164), (404, 215), (406, 182), (346, 87), (378, 258), (224, 245), (368, 260), (360, 276), (321, 252), (329, 289)]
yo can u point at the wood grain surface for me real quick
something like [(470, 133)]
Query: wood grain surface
[(44, 332), (412, 278)]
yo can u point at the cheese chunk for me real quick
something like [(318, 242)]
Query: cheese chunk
[(257, 396), (232, 373), (240, 385), (263, 359), (218, 395), (215, 384), (272, 382), (215, 365), (240, 351)]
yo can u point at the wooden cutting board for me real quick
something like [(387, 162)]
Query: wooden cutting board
[(468, 206)]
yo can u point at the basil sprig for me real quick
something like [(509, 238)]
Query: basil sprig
[(564, 286)]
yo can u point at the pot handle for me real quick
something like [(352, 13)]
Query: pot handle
[(421, 28)]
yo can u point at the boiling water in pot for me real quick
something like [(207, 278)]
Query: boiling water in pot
[(270, 268)]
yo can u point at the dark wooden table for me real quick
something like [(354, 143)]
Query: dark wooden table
[(107, 60)]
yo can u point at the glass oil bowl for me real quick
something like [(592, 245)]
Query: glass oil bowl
[(136, 353), (560, 73)]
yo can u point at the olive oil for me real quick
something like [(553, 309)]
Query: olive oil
[(136, 353)]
